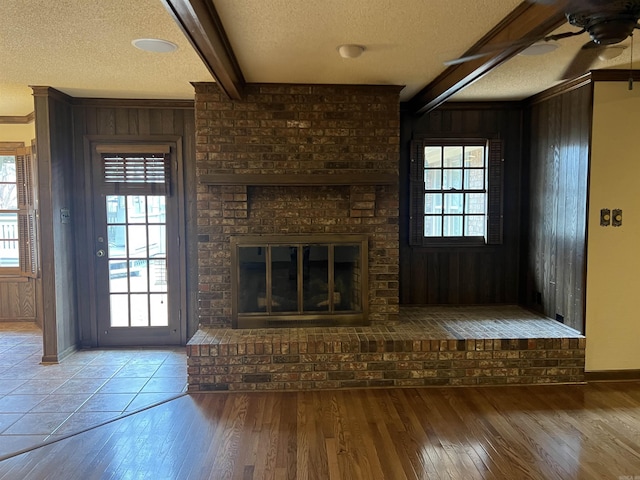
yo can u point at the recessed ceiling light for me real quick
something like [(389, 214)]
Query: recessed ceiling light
[(155, 45), (539, 48)]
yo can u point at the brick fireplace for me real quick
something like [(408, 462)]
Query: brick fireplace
[(297, 160), (292, 165)]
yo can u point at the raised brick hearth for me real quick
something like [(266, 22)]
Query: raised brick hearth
[(429, 346)]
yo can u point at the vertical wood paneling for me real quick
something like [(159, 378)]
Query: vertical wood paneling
[(549, 222), (84, 228), (155, 122), (57, 246), (134, 121), (106, 121), (17, 301), (167, 125), (144, 128), (486, 275), (558, 206), (91, 119), (122, 121)]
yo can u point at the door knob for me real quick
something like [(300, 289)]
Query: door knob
[(100, 253)]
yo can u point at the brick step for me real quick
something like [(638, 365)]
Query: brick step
[(401, 355)]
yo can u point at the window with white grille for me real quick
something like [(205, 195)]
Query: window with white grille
[(456, 191)]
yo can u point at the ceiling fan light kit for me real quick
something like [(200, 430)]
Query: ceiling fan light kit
[(608, 24), (611, 52)]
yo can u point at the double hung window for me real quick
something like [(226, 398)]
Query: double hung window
[(456, 192)]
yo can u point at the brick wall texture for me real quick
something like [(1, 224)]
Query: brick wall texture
[(289, 130), (292, 360)]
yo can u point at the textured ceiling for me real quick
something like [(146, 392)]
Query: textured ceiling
[(523, 76), (83, 47), (406, 41)]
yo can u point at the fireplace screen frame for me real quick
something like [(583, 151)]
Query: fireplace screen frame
[(300, 318)]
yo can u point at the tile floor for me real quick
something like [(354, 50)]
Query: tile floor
[(39, 403)]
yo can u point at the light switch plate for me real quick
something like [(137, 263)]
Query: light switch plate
[(65, 216), (616, 217)]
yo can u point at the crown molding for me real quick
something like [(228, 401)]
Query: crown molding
[(18, 119)]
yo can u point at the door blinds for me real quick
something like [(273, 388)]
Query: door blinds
[(137, 169)]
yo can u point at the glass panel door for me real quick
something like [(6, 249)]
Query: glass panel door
[(137, 259), (137, 303)]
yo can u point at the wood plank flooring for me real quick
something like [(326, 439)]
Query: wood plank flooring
[(536, 432)]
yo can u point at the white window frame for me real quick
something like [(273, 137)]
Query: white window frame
[(492, 190)]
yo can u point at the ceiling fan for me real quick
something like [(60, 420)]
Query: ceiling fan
[(608, 22)]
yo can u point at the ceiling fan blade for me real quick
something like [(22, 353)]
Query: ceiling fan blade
[(601, 6), (565, 5), (583, 60), (496, 47), (468, 58), (559, 4), (493, 48)]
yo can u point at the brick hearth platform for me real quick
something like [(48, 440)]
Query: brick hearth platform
[(428, 346)]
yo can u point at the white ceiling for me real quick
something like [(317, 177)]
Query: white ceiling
[(83, 47)]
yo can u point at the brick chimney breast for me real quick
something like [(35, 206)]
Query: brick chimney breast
[(333, 134)]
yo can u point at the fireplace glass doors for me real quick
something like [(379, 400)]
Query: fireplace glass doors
[(284, 280)]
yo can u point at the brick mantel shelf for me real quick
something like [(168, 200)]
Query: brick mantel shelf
[(299, 180)]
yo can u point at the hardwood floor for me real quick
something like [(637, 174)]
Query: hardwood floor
[(535, 432)]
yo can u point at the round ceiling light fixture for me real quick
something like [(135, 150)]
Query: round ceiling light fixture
[(155, 45), (350, 50), (540, 48)]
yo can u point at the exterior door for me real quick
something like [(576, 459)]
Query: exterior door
[(136, 246)]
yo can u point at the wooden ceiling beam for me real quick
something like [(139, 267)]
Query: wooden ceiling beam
[(201, 24), (527, 21)]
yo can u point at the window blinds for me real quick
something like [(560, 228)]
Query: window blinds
[(143, 169)]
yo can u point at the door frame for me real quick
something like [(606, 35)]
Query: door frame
[(88, 294)]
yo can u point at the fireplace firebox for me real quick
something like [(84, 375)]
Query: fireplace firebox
[(296, 280)]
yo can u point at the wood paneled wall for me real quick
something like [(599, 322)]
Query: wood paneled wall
[(557, 205), (132, 120), (465, 275), (17, 300), (56, 292)]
